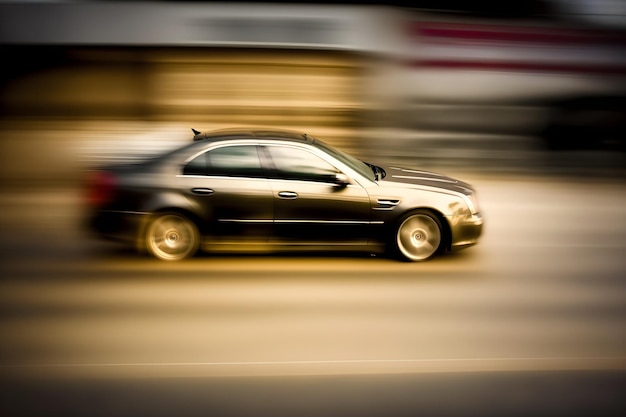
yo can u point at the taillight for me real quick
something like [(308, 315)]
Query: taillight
[(100, 188)]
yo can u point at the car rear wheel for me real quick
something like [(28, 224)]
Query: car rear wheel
[(171, 237), (418, 236)]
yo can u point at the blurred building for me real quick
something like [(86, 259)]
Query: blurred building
[(225, 63), (532, 67)]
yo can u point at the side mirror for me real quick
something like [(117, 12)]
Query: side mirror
[(341, 179)]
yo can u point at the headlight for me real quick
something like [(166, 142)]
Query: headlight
[(472, 202)]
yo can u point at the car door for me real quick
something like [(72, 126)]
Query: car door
[(310, 205), (227, 185)]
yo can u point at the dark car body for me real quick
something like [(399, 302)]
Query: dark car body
[(251, 190)]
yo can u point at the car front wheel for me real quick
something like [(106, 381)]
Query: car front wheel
[(171, 237), (418, 236)]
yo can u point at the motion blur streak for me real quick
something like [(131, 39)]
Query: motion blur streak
[(524, 101), (312, 368)]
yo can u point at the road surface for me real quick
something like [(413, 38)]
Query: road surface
[(529, 322)]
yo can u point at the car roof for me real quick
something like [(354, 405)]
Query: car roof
[(282, 134)]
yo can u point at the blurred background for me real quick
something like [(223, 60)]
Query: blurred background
[(524, 99), (443, 83)]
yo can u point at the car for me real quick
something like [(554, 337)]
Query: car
[(248, 190)]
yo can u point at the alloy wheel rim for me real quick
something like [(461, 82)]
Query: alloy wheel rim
[(419, 237), (171, 237)]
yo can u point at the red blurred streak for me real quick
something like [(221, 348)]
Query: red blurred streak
[(465, 32)]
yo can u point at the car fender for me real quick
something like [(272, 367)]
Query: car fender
[(396, 201), (174, 201)]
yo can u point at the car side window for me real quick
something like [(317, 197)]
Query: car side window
[(229, 161), (299, 164)]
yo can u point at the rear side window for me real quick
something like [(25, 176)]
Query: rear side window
[(227, 161)]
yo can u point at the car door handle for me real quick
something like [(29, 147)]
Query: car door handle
[(202, 191), (288, 195)]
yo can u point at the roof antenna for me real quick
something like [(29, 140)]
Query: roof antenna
[(195, 132)]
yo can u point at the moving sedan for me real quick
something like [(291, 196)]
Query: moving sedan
[(251, 190)]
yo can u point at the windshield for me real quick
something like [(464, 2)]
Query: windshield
[(359, 166)]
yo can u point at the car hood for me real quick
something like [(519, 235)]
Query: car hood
[(408, 177)]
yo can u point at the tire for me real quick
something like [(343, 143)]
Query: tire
[(172, 237), (418, 236)]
